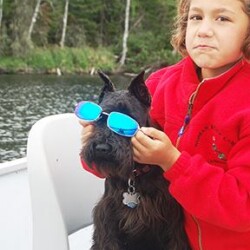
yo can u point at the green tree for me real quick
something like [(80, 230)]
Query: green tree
[(91, 23)]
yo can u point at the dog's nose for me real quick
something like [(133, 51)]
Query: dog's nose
[(103, 148)]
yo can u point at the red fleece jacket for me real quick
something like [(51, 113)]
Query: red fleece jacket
[(211, 178)]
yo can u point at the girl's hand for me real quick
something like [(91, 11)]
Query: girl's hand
[(152, 146), (87, 131)]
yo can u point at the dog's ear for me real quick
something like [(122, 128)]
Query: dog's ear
[(139, 89), (108, 85)]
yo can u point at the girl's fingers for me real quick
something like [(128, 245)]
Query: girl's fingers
[(152, 132), (136, 155), (84, 123), (86, 132), (88, 128), (144, 139), (138, 141)]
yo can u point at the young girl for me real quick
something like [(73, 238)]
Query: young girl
[(202, 104)]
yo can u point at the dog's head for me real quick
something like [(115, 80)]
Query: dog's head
[(112, 153)]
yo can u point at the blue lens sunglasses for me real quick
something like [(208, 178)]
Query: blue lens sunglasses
[(118, 122)]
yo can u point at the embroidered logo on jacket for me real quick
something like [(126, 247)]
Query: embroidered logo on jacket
[(213, 144)]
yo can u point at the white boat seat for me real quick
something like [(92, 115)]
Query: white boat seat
[(62, 193), (82, 239)]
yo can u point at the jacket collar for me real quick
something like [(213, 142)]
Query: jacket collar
[(210, 86)]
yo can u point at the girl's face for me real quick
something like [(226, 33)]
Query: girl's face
[(216, 31)]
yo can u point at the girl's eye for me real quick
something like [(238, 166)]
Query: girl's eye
[(222, 19), (195, 17)]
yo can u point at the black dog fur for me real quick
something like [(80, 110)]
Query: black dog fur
[(156, 223)]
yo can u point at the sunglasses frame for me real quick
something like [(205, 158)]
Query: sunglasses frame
[(108, 115)]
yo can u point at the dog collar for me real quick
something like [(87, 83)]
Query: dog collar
[(142, 170), (131, 198)]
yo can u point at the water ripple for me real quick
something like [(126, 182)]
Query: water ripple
[(24, 99)]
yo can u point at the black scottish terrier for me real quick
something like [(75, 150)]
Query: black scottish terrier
[(136, 211)]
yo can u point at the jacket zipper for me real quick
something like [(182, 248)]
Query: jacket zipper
[(199, 232), (187, 120), (189, 113)]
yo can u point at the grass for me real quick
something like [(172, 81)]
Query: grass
[(68, 60), (79, 60)]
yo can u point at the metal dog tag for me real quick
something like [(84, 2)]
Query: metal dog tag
[(131, 198)]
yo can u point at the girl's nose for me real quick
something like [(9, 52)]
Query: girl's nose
[(205, 28)]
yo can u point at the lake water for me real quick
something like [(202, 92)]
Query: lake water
[(24, 99)]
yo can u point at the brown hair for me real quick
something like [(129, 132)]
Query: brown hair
[(178, 37)]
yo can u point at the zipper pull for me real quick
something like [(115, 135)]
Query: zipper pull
[(186, 122), (187, 119), (181, 131)]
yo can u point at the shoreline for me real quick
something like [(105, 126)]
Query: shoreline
[(82, 61)]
